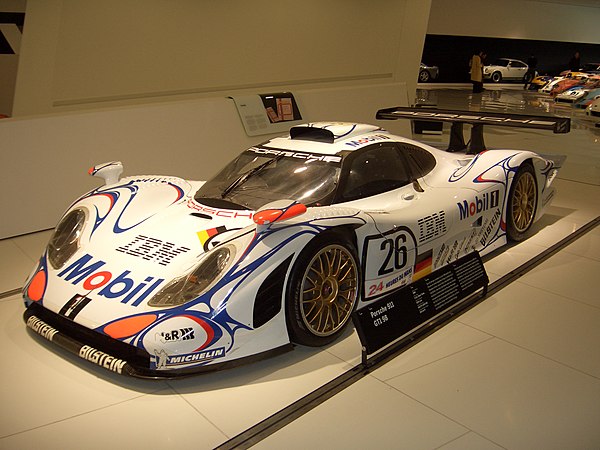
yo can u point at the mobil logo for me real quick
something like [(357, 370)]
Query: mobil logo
[(88, 274), (481, 203), (367, 140)]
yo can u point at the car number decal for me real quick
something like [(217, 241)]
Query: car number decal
[(389, 260)]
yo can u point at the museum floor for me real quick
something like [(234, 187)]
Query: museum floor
[(519, 370)]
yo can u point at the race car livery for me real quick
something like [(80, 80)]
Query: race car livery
[(156, 276)]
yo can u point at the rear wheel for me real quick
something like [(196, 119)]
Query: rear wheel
[(522, 203), (323, 291)]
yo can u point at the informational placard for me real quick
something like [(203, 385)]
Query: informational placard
[(268, 113), (403, 311)]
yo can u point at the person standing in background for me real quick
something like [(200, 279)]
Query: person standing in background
[(575, 62), (476, 64), (530, 74)]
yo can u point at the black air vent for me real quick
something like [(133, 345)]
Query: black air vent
[(268, 298), (312, 134), (201, 216)]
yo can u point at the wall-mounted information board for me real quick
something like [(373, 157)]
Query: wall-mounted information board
[(268, 113)]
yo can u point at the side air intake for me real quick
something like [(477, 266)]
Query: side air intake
[(268, 299)]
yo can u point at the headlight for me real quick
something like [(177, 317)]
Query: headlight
[(65, 240), (197, 282)]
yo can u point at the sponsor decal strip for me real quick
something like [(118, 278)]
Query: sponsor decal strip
[(206, 355), (41, 328), (102, 359), (86, 352)]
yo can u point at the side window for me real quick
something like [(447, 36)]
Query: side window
[(373, 170), (420, 160)]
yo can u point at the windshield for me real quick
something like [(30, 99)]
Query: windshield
[(253, 180), (501, 62)]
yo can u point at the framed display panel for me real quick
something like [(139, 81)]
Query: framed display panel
[(267, 113)]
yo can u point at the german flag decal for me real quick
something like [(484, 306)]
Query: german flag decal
[(206, 236), (423, 265)]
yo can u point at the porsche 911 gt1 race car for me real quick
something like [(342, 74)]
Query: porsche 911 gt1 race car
[(156, 276)]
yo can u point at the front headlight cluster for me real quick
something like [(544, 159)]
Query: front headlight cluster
[(189, 287), (65, 239)]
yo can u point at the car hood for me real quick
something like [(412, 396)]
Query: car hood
[(140, 234)]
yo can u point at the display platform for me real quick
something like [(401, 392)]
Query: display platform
[(55, 391), (500, 375)]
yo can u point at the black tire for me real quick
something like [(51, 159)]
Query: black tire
[(424, 76), (323, 290), (522, 203), (496, 77)]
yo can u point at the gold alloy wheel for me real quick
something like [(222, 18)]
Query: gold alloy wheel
[(523, 202), (329, 290)]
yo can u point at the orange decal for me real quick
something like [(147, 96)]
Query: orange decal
[(129, 326), (293, 211), (267, 216), (36, 288)]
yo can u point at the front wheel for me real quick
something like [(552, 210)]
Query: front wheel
[(522, 203), (323, 291), (496, 77)]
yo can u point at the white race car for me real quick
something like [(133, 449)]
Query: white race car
[(156, 276), (572, 95), (552, 85)]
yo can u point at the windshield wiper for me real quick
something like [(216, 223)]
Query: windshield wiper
[(244, 177)]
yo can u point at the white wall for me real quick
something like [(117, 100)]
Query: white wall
[(146, 81), (81, 54), (517, 19)]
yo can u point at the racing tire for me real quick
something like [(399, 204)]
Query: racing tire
[(323, 290), (496, 77), (522, 203), (424, 76)]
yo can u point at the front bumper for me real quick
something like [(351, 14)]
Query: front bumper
[(113, 354)]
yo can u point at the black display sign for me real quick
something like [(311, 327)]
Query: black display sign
[(402, 311)]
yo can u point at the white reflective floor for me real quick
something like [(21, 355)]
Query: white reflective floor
[(520, 370)]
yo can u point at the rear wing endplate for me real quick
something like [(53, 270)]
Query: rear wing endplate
[(477, 119)]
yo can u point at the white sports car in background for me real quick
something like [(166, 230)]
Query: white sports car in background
[(156, 276), (505, 69)]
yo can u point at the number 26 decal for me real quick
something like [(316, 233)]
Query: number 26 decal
[(396, 254)]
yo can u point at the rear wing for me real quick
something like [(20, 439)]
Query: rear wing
[(477, 119)]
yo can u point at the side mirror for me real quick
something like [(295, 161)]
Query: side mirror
[(110, 172)]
